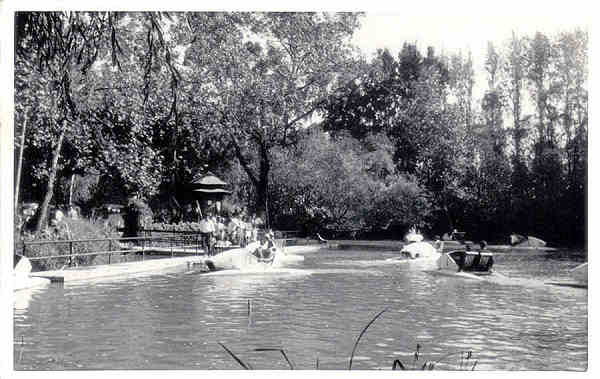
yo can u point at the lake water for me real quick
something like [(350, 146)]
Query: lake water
[(314, 311)]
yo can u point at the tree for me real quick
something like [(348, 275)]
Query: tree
[(513, 69), (268, 76), (407, 100), (307, 182), (60, 50), (546, 167), (570, 83), (461, 83), (49, 98), (539, 56)]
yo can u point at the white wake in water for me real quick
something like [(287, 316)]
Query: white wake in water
[(258, 271), (499, 279)]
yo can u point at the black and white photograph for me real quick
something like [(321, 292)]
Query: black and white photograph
[(274, 187)]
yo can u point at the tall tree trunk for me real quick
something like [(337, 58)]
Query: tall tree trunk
[(71, 190), (260, 181), (20, 163), (43, 215), (516, 99), (263, 184)]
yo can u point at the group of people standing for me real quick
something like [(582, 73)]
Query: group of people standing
[(218, 231)]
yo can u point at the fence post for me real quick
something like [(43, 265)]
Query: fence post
[(110, 250), (70, 253)]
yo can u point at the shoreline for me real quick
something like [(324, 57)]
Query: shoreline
[(295, 246), (148, 266)]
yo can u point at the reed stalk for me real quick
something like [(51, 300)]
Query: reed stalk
[(361, 334), (246, 366)]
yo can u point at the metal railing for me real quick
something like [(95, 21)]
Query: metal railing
[(170, 245), (167, 243)]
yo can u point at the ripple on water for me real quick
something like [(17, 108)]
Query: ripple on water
[(316, 309)]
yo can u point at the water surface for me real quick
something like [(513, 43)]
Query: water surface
[(314, 310)]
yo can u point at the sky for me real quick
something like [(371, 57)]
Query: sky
[(453, 32), (462, 30)]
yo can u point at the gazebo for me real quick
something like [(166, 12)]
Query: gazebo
[(208, 190)]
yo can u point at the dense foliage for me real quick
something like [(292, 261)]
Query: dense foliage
[(480, 179), (339, 183), (118, 105), (68, 229)]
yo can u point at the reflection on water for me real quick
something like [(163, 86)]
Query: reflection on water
[(314, 310)]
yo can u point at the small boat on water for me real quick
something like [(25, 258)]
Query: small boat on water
[(420, 249), (253, 256), (417, 248), (474, 264), (580, 273), (517, 240), (579, 278), (21, 278)]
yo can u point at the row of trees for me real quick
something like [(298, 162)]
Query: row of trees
[(141, 99), (112, 105), (515, 161)]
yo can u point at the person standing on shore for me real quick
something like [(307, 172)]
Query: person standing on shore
[(206, 228)]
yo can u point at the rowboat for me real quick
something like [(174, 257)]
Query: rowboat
[(467, 264)]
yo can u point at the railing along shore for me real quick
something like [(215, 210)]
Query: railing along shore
[(190, 244), (169, 243)]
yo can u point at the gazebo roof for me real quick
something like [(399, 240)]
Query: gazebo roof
[(215, 190), (207, 179), (208, 185)]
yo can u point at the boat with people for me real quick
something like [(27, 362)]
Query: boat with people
[(466, 263), (417, 248), (256, 255), (422, 249), (413, 235)]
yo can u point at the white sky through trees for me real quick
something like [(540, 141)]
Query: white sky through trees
[(448, 26), (467, 30)]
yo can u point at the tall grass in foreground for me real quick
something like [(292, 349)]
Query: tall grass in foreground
[(464, 362)]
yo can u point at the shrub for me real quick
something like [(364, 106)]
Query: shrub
[(67, 229)]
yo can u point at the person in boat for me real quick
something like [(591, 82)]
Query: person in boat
[(438, 244), (477, 259), (264, 252), (483, 248), (463, 257)]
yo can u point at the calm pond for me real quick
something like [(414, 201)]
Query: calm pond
[(314, 310)]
